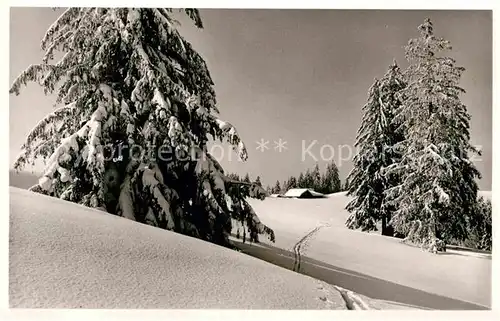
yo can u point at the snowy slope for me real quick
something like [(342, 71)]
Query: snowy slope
[(64, 255), (461, 277)]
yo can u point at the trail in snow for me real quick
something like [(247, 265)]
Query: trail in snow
[(351, 300), (302, 243)]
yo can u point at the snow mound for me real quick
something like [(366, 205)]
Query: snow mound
[(64, 255)]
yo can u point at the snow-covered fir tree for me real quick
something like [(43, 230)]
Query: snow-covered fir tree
[(438, 191), (375, 142), (137, 110)]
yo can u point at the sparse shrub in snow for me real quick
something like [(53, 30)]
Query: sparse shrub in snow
[(128, 78), (376, 142), (438, 191)]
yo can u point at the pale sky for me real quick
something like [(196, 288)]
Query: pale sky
[(298, 75)]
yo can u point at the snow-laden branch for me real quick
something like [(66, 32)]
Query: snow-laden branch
[(64, 20), (208, 170), (152, 182), (32, 73), (228, 132), (62, 153), (40, 129)]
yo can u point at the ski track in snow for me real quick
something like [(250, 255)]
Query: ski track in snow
[(351, 300), (300, 246)]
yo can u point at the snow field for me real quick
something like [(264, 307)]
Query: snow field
[(466, 278)]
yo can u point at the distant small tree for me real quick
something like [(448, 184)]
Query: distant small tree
[(285, 184), (330, 182), (234, 177), (292, 183), (316, 178), (247, 179), (308, 179), (277, 187), (301, 181), (258, 182)]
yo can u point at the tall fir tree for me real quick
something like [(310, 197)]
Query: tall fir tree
[(438, 191), (258, 182), (376, 143), (247, 178), (138, 108)]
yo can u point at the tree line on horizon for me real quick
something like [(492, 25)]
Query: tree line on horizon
[(325, 183)]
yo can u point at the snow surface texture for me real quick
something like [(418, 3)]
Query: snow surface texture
[(466, 278), (64, 255)]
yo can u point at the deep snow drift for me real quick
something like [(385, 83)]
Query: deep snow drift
[(456, 276), (63, 255)]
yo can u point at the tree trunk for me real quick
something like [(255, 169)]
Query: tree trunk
[(384, 225), (387, 230)]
